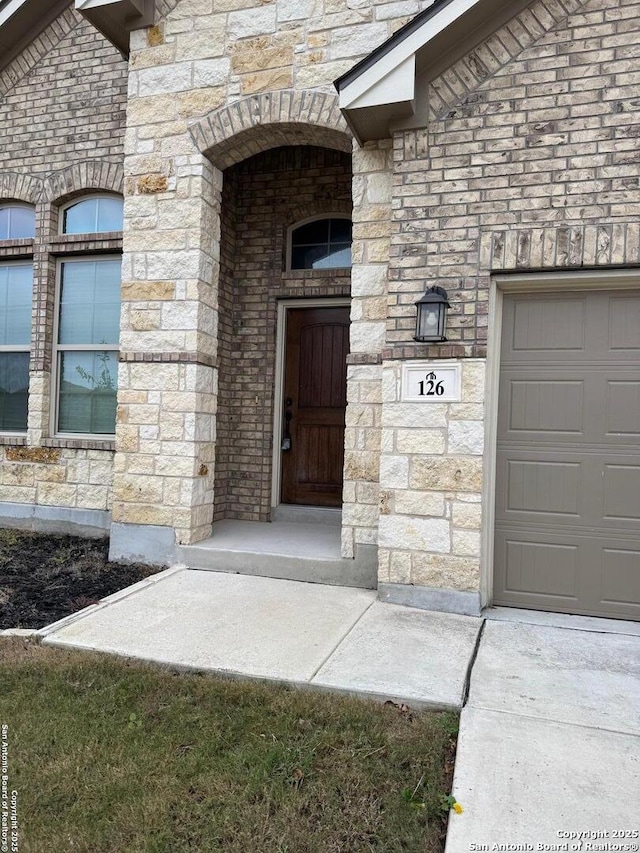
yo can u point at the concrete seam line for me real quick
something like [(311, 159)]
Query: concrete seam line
[(341, 641), (554, 721), (472, 660)]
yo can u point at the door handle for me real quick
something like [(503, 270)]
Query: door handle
[(288, 415)]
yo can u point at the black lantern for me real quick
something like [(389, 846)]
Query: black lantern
[(431, 321)]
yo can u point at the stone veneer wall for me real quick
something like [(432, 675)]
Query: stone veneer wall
[(267, 193), (536, 168), (62, 114)]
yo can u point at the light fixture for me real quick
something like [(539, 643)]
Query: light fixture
[(431, 319)]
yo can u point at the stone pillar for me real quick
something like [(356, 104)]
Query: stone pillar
[(430, 495), (372, 193), (167, 394)]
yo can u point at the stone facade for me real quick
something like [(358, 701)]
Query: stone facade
[(522, 158)]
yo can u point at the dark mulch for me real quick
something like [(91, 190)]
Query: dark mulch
[(43, 578)]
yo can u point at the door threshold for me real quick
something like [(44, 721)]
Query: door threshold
[(298, 514)]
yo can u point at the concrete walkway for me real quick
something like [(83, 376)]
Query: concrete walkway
[(328, 637), (550, 730)]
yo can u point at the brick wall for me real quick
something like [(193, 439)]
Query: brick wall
[(549, 141), (63, 100), (533, 166), (62, 113)]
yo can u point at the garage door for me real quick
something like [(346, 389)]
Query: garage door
[(568, 456)]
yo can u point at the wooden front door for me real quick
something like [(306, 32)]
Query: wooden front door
[(315, 399)]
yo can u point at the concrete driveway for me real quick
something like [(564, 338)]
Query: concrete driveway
[(549, 748)]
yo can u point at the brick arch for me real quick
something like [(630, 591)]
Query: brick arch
[(89, 175), (254, 124), (341, 207), (18, 187)]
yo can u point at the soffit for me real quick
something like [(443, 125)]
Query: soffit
[(116, 18)]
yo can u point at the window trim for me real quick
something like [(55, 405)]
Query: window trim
[(317, 218), (14, 348), (95, 235), (57, 349), (23, 205)]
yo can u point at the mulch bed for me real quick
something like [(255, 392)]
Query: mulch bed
[(43, 578)]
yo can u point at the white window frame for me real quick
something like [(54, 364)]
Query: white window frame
[(58, 348), (13, 348), (23, 205), (77, 200), (306, 221)]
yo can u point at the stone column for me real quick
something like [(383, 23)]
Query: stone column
[(372, 193), (167, 394)]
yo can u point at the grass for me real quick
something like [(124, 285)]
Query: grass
[(109, 755)]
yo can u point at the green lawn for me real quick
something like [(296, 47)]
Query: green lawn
[(108, 755)]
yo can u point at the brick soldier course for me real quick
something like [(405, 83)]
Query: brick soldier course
[(520, 157)]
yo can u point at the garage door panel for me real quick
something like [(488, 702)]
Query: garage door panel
[(545, 406), (620, 576), (621, 492), (623, 409), (540, 326), (543, 486), (568, 405), (541, 568), (567, 534), (624, 323)]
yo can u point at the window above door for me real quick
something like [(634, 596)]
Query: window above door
[(321, 243)]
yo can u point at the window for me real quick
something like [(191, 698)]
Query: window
[(93, 215), (321, 244), (88, 331), (16, 286), (17, 221)]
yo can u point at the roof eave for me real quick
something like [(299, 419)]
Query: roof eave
[(23, 20), (115, 19), (379, 92)]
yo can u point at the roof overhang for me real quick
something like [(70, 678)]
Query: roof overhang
[(379, 93), (116, 18), (21, 21)]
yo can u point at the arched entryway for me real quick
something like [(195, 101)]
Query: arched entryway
[(283, 310)]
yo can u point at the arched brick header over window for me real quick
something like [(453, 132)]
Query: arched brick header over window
[(81, 177), (18, 187), (254, 124)]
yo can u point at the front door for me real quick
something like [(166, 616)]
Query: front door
[(315, 399)]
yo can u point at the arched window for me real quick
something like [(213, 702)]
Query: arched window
[(92, 215), (320, 244), (87, 325), (17, 221)]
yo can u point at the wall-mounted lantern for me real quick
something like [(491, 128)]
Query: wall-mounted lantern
[(431, 320)]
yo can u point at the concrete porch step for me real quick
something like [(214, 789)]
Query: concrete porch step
[(288, 550)]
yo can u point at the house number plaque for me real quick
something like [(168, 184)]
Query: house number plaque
[(431, 382)]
